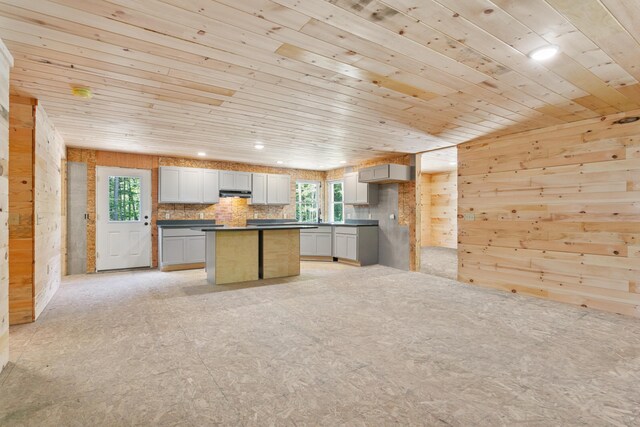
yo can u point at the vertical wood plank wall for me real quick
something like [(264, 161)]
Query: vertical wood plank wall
[(36, 215), (6, 61), (48, 238), (425, 209), (21, 206), (440, 204), (557, 213)]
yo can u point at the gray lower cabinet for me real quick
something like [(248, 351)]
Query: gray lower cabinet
[(181, 246), (359, 244), (316, 242)]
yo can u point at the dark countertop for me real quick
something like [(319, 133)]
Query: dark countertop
[(186, 223), (347, 223), (256, 227)]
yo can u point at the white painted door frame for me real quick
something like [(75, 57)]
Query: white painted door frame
[(122, 244)]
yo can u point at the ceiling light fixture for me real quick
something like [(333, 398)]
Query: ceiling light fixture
[(279, 162), (453, 163), (201, 154), (342, 162), (82, 92), (258, 146), (543, 53)]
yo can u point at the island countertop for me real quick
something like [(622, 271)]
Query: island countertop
[(256, 228)]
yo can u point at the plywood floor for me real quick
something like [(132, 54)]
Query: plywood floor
[(441, 262), (359, 346)]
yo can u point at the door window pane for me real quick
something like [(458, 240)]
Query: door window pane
[(124, 198)]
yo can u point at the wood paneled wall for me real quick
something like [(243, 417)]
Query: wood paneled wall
[(48, 227), (425, 209), (35, 204), (557, 213), (21, 209), (6, 61), (441, 226), (229, 211)]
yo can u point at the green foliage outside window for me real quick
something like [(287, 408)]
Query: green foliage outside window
[(337, 205), (124, 198), (307, 202)]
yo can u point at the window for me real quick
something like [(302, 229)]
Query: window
[(124, 198), (307, 201), (336, 202)]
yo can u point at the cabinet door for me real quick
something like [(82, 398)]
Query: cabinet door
[(259, 189), (243, 181), (323, 244), (194, 249), (352, 248), (273, 184), (210, 188), (173, 250), (340, 246), (350, 188), (190, 185), (169, 185), (362, 193), (307, 244), (227, 180), (284, 189)]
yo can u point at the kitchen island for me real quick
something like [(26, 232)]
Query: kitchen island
[(242, 254)]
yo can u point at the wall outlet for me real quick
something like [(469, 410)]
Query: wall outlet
[(201, 215), (255, 216), (167, 215), (392, 216), (348, 216), (369, 216), (469, 216)]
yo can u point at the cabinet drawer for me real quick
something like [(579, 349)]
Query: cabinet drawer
[(181, 232), (346, 230), (321, 229)]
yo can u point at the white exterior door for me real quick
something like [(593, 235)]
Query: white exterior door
[(123, 218)]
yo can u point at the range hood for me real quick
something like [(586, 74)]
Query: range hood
[(235, 193)]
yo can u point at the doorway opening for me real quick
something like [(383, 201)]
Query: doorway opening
[(439, 213), (123, 218)]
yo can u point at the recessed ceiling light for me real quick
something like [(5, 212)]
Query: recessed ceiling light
[(258, 146), (343, 162), (279, 162), (201, 154), (453, 163), (544, 52)]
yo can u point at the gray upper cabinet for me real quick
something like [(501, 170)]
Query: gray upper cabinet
[(270, 189), (382, 174), (190, 184), (359, 193), (169, 191), (259, 189), (278, 189), (235, 181), (187, 185), (210, 187)]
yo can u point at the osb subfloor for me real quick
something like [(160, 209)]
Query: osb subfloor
[(441, 262), (338, 345)]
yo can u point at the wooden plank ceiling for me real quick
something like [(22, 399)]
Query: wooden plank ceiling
[(318, 82)]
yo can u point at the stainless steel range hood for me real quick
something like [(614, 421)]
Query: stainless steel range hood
[(235, 193)]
